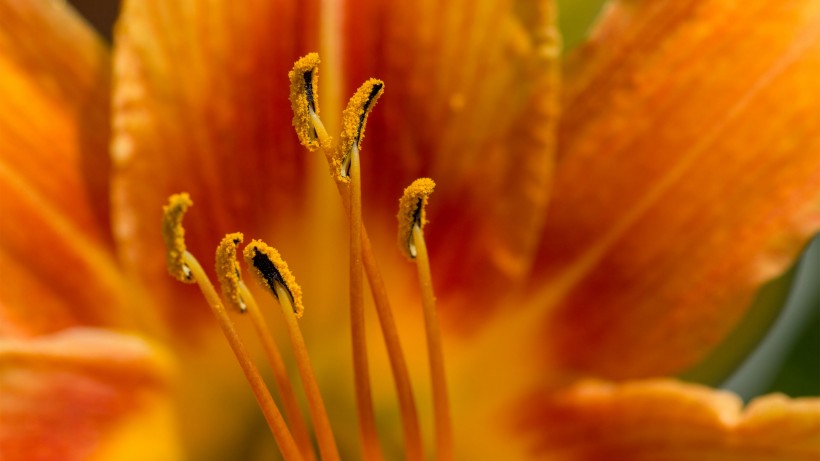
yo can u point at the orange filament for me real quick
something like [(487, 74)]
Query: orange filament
[(321, 422), (272, 273), (236, 293), (277, 425), (407, 405), (364, 399), (398, 365), (441, 405), (319, 127), (280, 375)]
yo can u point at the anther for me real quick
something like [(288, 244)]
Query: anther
[(354, 120), (412, 212), (304, 100), (270, 269), (227, 270), (174, 235)]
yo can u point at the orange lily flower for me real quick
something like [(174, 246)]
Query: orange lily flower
[(578, 263)]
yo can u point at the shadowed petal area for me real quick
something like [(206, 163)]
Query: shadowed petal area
[(55, 245), (201, 106), (471, 102), (84, 394), (688, 176), (669, 421)]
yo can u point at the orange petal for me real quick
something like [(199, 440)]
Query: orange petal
[(670, 421), (84, 394), (201, 106), (470, 101), (55, 247), (688, 176)]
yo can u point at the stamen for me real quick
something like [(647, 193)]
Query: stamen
[(412, 212), (364, 399), (304, 100), (354, 121), (412, 206), (238, 295), (271, 269), (227, 270), (407, 405), (267, 264), (398, 365), (174, 235), (173, 214)]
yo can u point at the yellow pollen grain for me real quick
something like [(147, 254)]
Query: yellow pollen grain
[(412, 211), (174, 236), (269, 268), (227, 270), (304, 98), (354, 120)]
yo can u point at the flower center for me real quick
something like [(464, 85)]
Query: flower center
[(271, 272)]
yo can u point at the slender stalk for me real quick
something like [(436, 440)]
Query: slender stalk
[(414, 450), (364, 398), (277, 425), (435, 353), (398, 365), (321, 422), (280, 375)]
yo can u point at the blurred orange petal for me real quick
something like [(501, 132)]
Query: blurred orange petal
[(669, 421), (470, 101), (688, 176), (84, 394), (201, 106), (55, 250)]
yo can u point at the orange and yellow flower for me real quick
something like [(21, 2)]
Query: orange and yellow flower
[(579, 261)]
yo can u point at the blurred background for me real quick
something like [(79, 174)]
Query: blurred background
[(786, 315)]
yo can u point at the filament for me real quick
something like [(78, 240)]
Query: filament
[(280, 375), (277, 425), (364, 399), (272, 272), (441, 404), (321, 422)]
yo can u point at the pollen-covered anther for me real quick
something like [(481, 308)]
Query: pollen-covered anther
[(227, 270), (174, 236), (354, 120), (270, 269), (412, 212), (304, 100)]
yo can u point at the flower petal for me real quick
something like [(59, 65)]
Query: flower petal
[(471, 102), (55, 250), (688, 176), (201, 106), (84, 394), (670, 421)]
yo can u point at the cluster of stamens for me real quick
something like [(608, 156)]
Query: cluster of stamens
[(271, 272)]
